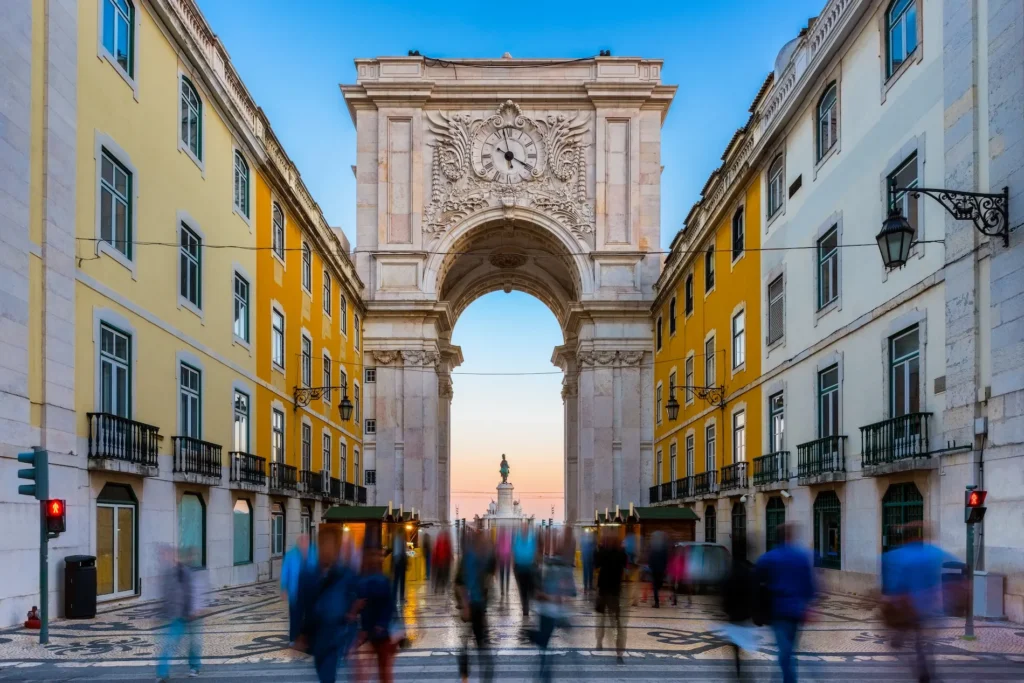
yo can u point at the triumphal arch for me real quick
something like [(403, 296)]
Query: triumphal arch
[(536, 175)]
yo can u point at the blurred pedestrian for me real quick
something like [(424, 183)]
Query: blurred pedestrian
[(472, 580), (786, 572), (296, 561), (587, 550), (611, 563), (442, 561), (181, 601), (912, 592), (738, 603), (524, 554), (428, 548), (556, 586), (399, 564), (328, 597), (676, 574), (376, 611), (657, 562), (503, 552)]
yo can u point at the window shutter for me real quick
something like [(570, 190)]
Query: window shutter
[(776, 303)]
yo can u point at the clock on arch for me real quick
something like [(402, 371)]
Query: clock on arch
[(508, 155)]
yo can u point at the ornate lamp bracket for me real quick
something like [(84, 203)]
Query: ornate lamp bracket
[(989, 212), (303, 395), (715, 396)]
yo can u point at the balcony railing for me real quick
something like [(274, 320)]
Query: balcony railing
[(247, 468), (361, 495), (350, 492), (283, 477), (193, 456), (119, 438), (734, 476), (311, 483), (771, 468), (336, 487), (705, 483), (821, 456), (666, 491), (655, 493), (899, 438), (684, 487)]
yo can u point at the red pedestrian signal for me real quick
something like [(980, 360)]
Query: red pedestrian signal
[(974, 506), (976, 498), (55, 516)]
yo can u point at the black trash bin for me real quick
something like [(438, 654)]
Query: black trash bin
[(79, 587)]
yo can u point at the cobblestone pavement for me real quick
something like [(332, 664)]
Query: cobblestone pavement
[(247, 626)]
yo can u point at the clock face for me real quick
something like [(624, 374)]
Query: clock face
[(508, 155)]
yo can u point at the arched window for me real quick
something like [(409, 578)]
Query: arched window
[(119, 33), (242, 528), (827, 539), (343, 312), (776, 181), (307, 254), (192, 530), (689, 294), (901, 37), (739, 530), (828, 120), (738, 234), (241, 184), (672, 316), (901, 505), (191, 119), (658, 336), (709, 268), (710, 524), (774, 520)]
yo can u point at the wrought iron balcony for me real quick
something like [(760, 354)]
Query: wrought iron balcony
[(666, 491), (684, 487), (823, 456), (311, 483), (350, 492), (335, 493), (283, 477), (705, 483), (771, 468), (247, 468), (655, 493), (895, 439), (196, 457), (734, 476), (361, 495), (118, 438)]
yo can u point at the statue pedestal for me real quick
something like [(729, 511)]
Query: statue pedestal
[(504, 507)]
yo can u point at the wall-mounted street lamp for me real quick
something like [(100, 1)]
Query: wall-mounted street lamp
[(303, 395), (713, 395), (990, 213)]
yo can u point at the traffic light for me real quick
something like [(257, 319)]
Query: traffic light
[(974, 506), (39, 473), (56, 521)]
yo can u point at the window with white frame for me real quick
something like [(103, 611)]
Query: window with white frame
[(277, 435), (739, 436), (672, 316), (326, 455), (689, 455), (307, 361), (355, 402), (905, 373), (709, 268), (327, 380), (277, 233), (241, 326), (370, 427), (710, 460), (343, 458), (116, 204), (739, 339), (688, 378), (343, 312), (370, 376), (343, 381), (658, 331), (709, 361), (277, 337), (191, 119), (828, 119), (776, 423), (738, 234), (828, 267), (241, 184), (673, 472), (277, 529), (671, 383), (658, 473), (905, 177), (190, 275), (355, 330), (115, 372), (828, 401), (240, 437), (190, 413), (307, 447), (119, 33), (657, 400), (355, 464), (688, 293), (776, 310), (327, 293), (307, 267), (776, 185), (901, 34)]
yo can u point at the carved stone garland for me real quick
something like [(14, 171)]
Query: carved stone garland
[(557, 185)]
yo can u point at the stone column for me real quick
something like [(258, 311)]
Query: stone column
[(630, 411)]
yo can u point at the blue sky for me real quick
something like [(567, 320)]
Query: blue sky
[(293, 55)]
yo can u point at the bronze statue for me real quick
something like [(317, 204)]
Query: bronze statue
[(504, 469)]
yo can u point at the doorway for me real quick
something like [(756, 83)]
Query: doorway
[(116, 533)]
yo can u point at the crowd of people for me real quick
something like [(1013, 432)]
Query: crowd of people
[(342, 603)]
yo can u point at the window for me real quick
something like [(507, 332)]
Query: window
[(343, 312), (370, 427), (241, 308), (904, 373), (688, 378), (277, 240), (307, 268), (776, 310), (689, 293), (658, 334), (242, 528), (657, 401), (191, 119), (827, 544), (709, 362), (119, 33), (355, 402), (776, 423), (710, 460), (327, 380), (343, 457), (828, 402), (739, 339), (673, 472), (671, 383), (192, 530), (306, 521), (904, 177), (371, 477), (901, 505), (902, 33), (739, 437), (327, 293), (277, 436), (241, 424), (689, 455), (370, 376), (190, 271), (709, 269), (115, 372), (190, 414), (775, 519), (277, 529), (739, 529), (776, 185), (307, 361), (828, 120), (355, 331), (828, 267), (326, 455), (277, 337), (242, 186), (343, 381), (737, 233), (658, 473), (672, 316), (307, 447), (116, 204), (710, 524), (355, 465)]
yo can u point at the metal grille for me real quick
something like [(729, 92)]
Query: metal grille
[(775, 518), (827, 539), (901, 505)]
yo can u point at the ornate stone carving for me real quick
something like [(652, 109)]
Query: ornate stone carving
[(628, 358), (444, 387), (631, 358), (570, 388), (556, 183), (507, 260), (385, 357), (419, 357)]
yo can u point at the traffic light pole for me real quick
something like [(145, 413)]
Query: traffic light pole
[(44, 576)]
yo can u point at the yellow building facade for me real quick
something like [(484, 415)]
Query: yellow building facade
[(707, 321)]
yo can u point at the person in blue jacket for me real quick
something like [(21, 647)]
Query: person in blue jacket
[(328, 595), (296, 561), (787, 573)]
